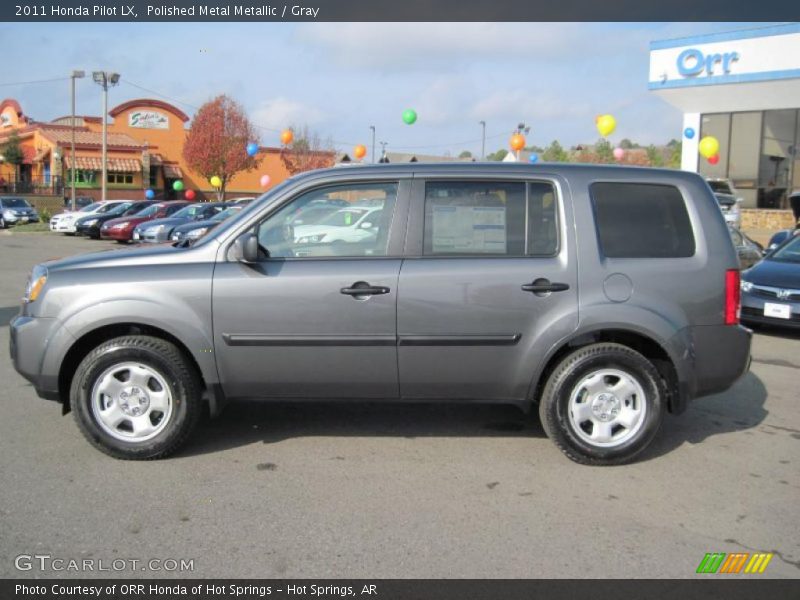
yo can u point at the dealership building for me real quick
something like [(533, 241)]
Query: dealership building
[(743, 88)]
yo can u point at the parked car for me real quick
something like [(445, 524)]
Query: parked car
[(192, 231), (314, 213), (14, 211), (66, 222), (771, 289), (729, 205), (159, 231), (80, 202), (749, 251), (781, 236), (468, 291), (121, 229), (345, 225), (90, 225)]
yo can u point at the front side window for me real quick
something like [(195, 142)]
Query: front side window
[(356, 223), (464, 218), (642, 220)]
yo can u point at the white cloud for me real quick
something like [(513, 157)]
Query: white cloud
[(281, 112)]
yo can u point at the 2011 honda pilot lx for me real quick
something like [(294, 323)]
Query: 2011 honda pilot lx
[(605, 296)]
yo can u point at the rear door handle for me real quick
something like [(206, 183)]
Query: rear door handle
[(543, 286), (362, 288)]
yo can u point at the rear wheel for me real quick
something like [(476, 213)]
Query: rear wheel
[(603, 404), (136, 397)]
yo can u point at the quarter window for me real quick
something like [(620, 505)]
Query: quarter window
[(638, 220)]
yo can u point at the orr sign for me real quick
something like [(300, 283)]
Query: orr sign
[(148, 119), (692, 62)]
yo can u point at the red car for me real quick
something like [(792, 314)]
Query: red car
[(121, 229)]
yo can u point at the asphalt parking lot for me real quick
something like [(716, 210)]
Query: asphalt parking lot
[(399, 491)]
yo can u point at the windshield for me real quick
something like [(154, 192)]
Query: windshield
[(118, 209), (721, 186), (343, 218), (149, 211), (187, 212), (789, 252), (90, 207), (15, 203), (228, 212), (725, 199)]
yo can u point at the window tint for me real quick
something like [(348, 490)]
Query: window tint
[(489, 217), (637, 220), (356, 223)]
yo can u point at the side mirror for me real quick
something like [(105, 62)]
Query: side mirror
[(245, 248)]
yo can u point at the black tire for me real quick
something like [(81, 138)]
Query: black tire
[(566, 378), (158, 355), (2, 223)]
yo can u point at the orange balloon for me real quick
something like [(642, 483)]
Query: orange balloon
[(360, 151), (517, 141), (287, 135)]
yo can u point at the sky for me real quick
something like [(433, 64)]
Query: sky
[(340, 78)]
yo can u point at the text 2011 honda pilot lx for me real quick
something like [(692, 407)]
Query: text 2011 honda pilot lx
[(605, 296)]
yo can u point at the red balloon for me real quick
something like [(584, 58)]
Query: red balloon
[(712, 160), (190, 195)]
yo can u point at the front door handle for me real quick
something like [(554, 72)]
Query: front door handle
[(544, 286), (362, 288)]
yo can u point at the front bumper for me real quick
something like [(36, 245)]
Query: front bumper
[(120, 235), (20, 219), (28, 344), (753, 311)]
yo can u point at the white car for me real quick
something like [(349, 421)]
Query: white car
[(65, 222), (351, 224)]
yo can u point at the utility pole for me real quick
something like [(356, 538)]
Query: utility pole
[(104, 79), (75, 75), (384, 158), (372, 127), (483, 140)]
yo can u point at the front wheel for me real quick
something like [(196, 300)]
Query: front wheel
[(603, 404), (136, 397)]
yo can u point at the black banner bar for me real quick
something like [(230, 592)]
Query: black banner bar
[(397, 10), (721, 587)]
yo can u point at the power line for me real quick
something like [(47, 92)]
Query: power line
[(33, 82)]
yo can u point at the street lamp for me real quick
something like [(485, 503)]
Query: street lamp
[(104, 79), (75, 75), (372, 127), (483, 140)]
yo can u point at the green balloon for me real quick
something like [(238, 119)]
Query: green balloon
[(409, 116), (177, 186)]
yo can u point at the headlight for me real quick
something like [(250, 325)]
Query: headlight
[(122, 225), (35, 283), (746, 285), (89, 223), (153, 230), (8, 214), (196, 233), (312, 239)]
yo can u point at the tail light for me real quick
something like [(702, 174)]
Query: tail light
[(733, 302)]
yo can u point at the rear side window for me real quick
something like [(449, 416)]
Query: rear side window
[(639, 220), (466, 218)]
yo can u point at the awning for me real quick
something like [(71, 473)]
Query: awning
[(114, 165), (156, 160), (172, 172)]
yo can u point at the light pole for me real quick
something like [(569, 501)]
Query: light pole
[(384, 158), (372, 127), (483, 140), (75, 75), (104, 79)]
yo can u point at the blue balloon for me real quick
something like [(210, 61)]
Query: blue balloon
[(149, 194), (689, 133), (533, 157), (252, 149)]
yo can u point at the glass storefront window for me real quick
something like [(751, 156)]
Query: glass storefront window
[(777, 158)]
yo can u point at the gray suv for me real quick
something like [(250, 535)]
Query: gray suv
[(604, 296)]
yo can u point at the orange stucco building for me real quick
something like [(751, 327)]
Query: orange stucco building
[(145, 151)]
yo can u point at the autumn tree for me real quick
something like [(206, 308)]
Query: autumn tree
[(217, 141), (12, 153), (307, 151)]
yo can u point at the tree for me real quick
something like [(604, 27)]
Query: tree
[(12, 153), (604, 151), (654, 156), (626, 144), (465, 154), (307, 151), (217, 140), (555, 153), (497, 156), (675, 157)]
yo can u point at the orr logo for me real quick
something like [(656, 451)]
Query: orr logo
[(735, 563)]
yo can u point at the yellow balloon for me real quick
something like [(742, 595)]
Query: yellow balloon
[(215, 181), (708, 146), (606, 124)]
